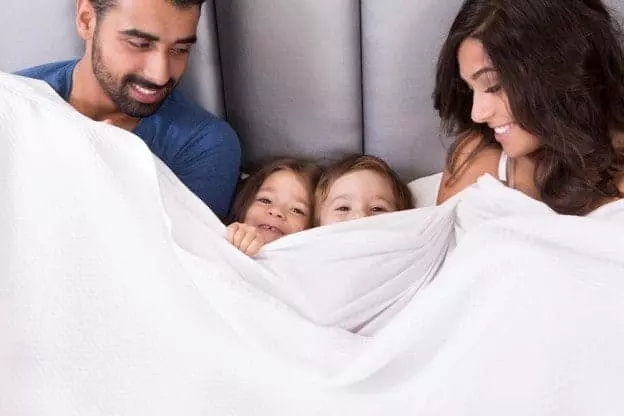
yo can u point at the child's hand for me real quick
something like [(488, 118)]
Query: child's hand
[(245, 237)]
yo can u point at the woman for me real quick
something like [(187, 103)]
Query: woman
[(533, 91)]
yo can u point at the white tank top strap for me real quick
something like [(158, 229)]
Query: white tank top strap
[(502, 167)]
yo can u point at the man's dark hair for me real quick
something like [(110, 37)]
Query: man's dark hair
[(102, 6)]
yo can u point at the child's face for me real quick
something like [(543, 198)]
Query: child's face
[(281, 206), (357, 194)]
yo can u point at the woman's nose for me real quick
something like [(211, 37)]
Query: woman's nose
[(482, 107)]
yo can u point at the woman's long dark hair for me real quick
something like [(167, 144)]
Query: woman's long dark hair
[(561, 64)]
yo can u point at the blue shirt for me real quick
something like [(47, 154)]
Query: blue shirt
[(201, 149)]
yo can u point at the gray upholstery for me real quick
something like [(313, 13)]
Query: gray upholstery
[(401, 40), (292, 75), (202, 80), (314, 78)]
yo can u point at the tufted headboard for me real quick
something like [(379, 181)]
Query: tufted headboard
[(312, 78)]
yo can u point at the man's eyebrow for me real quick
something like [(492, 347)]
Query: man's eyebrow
[(481, 72), (135, 33), (188, 39)]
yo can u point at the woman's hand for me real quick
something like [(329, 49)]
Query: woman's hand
[(245, 237)]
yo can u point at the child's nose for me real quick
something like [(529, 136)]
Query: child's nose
[(276, 212)]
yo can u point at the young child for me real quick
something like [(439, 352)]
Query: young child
[(356, 187), (273, 202)]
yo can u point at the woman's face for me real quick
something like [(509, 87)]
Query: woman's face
[(489, 102)]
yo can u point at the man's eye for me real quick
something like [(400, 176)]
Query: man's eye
[(139, 44), (179, 51)]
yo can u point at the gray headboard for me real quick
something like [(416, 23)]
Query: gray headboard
[(313, 78)]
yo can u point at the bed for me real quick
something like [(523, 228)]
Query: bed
[(119, 295)]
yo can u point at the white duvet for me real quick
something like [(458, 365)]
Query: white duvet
[(119, 295)]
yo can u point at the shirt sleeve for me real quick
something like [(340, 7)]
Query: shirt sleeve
[(209, 165)]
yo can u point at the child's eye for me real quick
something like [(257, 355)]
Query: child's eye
[(264, 200), (297, 211), (379, 209), (342, 209)]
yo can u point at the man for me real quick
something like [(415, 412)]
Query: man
[(136, 51)]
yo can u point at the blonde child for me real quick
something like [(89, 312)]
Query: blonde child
[(356, 187)]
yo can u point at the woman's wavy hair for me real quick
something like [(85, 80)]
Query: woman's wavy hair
[(307, 171), (561, 64)]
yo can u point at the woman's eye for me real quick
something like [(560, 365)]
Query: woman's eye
[(264, 200), (493, 89), (342, 209)]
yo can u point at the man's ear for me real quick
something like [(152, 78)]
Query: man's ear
[(85, 19)]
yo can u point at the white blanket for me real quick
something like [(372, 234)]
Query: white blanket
[(118, 295)]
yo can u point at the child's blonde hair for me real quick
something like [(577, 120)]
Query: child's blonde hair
[(402, 195)]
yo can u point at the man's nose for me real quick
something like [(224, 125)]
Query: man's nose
[(157, 68)]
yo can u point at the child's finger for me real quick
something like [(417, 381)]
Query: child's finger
[(239, 235), (255, 247), (230, 231), (250, 235)]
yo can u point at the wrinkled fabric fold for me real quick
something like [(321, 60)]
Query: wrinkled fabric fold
[(119, 295)]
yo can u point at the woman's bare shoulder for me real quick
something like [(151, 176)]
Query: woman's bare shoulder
[(484, 161)]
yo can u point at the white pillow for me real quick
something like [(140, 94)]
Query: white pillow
[(425, 190)]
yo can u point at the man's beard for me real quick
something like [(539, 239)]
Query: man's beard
[(118, 90)]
